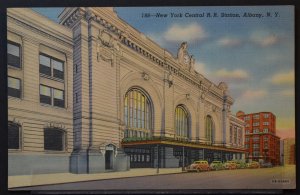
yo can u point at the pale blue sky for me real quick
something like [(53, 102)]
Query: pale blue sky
[(255, 56)]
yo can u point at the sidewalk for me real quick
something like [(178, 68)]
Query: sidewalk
[(56, 178)]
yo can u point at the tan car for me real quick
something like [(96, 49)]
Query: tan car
[(201, 165), (230, 165), (253, 165)]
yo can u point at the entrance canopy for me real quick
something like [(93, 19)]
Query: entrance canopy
[(173, 142)]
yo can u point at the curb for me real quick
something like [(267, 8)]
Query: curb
[(126, 177)]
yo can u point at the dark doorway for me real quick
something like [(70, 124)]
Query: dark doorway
[(108, 159)]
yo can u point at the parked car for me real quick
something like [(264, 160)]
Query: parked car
[(230, 165), (266, 165), (241, 165), (253, 164), (201, 165), (216, 165)]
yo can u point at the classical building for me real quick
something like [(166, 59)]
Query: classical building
[(92, 94), (261, 141)]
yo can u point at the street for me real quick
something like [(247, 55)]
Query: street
[(262, 178)]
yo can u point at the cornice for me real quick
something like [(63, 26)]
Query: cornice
[(140, 44)]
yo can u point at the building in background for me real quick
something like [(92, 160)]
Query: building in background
[(261, 141), (289, 155)]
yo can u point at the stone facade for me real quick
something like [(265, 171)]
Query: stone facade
[(106, 58)]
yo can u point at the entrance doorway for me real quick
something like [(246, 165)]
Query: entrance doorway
[(108, 159)]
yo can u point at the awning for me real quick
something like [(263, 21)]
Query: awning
[(181, 144)]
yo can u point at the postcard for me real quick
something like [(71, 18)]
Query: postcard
[(151, 98)]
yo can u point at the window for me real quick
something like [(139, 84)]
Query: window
[(137, 113), (13, 54), (247, 118), (265, 123), (255, 145), (247, 139), (247, 146), (247, 125), (235, 135), (13, 136), (14, 87), (266, 130), (209, 128), (247, 132), (266, 115), (256, 116), (54, 139), (255, 124), (181, 122), (255, 130), (266, 138), (51, 66), (256, 138), (52, 96), (256, 154)]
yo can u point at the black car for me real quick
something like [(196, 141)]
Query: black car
[(266, 165)]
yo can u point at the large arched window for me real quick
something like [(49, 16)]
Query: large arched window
[(54, 139), (181, 122), (209, 129), (137, 114), (13, 136)]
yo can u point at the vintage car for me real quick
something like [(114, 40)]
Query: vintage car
[(241, 165), (216, 165), (253, 164), (266, 165), (230, 165), (201, 165)]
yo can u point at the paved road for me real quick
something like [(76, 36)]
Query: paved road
[(263, 178)]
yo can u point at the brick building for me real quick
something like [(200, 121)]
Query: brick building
[(261, 141)]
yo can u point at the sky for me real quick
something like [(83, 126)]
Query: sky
[(253, 55)]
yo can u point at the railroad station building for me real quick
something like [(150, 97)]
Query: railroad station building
[(92, 94)]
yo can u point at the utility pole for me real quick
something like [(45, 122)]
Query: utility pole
[(157, 170), (182, 158)]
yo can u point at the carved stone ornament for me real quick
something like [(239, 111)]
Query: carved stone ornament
[(145, 76), (105, 38), (108, 49), (169, 78)]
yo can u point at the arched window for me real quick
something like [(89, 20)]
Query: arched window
[(54, 139), (137, 114), (181, 122), (209, 129), (13, 135)]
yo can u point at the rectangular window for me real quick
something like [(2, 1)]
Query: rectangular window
[(45, 95), (58, 98), (247, 131), (266, 115), (13, 136), (14, 87), (247, 118), (266, 130), (13, 54), (51, 96), (256, 124), (51, 67), (266, 138), (256, 139), (53, 139), (246, 139), (265, 123), (256, 116), (256, 131), (45, 65)]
